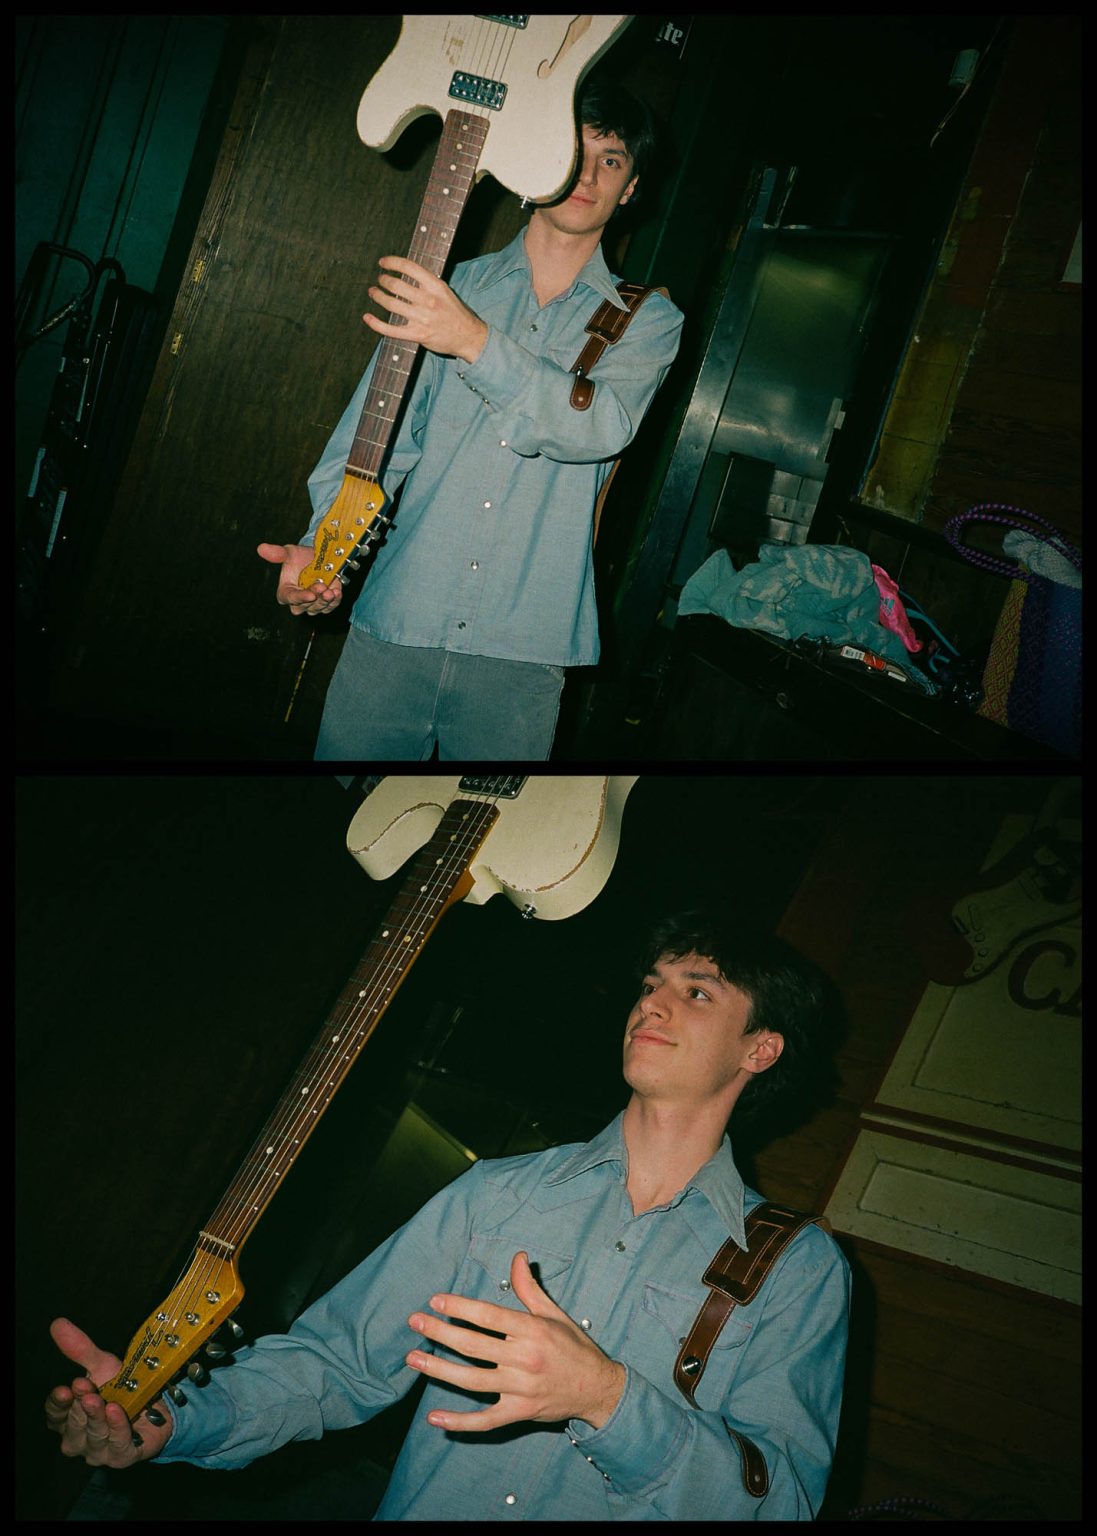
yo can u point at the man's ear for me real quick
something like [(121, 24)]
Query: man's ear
[(629, 190), (764, 1051)]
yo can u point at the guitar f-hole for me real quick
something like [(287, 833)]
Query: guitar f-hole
[(571, 37)]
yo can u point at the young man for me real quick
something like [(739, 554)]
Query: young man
[(483, 591), (566, 1407)]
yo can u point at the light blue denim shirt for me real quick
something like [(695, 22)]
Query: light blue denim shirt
[(634, 1282), (490, 553)]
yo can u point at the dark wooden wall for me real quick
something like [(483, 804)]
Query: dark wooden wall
[(179, 650), (961, 1393), (988, 398)]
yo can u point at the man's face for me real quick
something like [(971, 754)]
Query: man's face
[(605, 180), (686, 1036)]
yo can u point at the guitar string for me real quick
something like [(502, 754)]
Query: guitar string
[(346, 1016), (393, 964), (202, 1277), (393, 369), (204, 1274)]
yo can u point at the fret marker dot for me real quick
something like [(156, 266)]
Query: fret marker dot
[(269, 1150)]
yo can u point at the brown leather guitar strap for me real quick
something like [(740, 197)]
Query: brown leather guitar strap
[(607, 325), (734, 1278)]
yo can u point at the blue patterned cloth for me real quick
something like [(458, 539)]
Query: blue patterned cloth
[(490, 553), (824, 591)]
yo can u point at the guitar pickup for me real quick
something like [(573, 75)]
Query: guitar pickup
[(478, 90), (505, 786)]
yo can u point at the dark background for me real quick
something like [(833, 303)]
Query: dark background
[(179, 940)]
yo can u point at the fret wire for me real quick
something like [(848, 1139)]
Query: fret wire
[(253, 1187), (376, 424)]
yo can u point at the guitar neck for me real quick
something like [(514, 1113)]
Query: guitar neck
[(438, 877), (451, 181)]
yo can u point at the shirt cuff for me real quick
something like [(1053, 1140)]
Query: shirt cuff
[(501, 373), (196, 1430), (638, 1446)]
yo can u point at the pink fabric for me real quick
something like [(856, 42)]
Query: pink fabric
[(893, 615)]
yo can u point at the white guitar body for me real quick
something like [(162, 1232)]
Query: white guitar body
[(533, 149), (551, 850)]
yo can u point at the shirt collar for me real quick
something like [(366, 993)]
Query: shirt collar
[(719, 1181), (512, 258)]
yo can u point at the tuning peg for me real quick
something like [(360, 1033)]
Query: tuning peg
[(177, 1396), (216, 1351), (154, 1416), (235, 1329), (197, 1373), (352, 565)]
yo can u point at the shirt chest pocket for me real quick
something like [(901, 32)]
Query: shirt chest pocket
[(488, 1269), (659, 1327)]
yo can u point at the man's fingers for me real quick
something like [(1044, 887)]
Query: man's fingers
[(99, 1432), (76, 1346), (58, 1404), (474, 1345)]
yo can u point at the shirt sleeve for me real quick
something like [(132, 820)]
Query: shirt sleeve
[(342, 1361), (532, 395), (785, 1398), (404, 452)]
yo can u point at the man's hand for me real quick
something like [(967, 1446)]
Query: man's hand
[(545, 1368), (431, 312), (89, 1427), (313, 600)]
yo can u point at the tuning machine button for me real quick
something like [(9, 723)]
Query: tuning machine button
[(177, 1395), (216, 1351), (154, 1416), (197, 1373)]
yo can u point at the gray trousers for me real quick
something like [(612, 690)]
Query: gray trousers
[(397, 702)]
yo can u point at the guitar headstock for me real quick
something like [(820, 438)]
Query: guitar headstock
[(356, 516), (166, 1345)]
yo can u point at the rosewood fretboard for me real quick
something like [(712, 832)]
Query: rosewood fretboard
[(437, 878), (451, 180)]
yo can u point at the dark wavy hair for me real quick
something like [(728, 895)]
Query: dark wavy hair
[(611, 108), (788, 994)]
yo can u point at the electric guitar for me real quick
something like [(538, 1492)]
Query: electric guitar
[(504, 87), (547, 843)]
